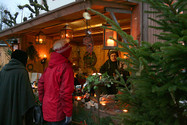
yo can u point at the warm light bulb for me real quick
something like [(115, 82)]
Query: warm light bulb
[(67, 35), (125, 110), (78, 98), (125, 57), (40, 40), (102, 103)]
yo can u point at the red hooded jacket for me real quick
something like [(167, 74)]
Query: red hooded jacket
[(55, 89)]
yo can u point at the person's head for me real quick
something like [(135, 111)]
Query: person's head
[(62, 47), (113, 54), (20, 55)]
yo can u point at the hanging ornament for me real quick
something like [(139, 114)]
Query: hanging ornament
[(88, 41), (86, 15), (89, 44)]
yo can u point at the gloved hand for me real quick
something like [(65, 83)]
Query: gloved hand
[(68, 120)]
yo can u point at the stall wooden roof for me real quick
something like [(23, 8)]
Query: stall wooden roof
[(53, 21)]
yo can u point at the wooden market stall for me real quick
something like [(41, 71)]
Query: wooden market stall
[(52, 22), (127, 13)]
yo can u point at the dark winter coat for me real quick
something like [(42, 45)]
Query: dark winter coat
[(111, 67), (55, 89), (16, 96)]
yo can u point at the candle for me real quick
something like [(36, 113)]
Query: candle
[(110, 42)]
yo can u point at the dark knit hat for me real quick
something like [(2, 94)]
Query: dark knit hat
[(20, 55), (111, 52)]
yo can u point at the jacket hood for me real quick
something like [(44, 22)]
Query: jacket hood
[(14, 64), (56, 59)]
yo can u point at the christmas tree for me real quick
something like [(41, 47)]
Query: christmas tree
[(158, 91)]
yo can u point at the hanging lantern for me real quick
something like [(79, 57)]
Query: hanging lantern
[(66, 32), (15, 44), (108, 42), (40, 38)]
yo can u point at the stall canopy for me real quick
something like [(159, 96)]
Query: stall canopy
[(53, 21)]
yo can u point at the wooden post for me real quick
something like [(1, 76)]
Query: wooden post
[(98, 93)]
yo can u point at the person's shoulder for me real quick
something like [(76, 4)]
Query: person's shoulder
[(106, 62)]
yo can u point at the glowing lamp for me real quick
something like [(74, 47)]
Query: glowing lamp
[(45, 56), (40, 38), (107, 41), (79, 98), (110, 42), (125, 110), (43, 61), (15, 44), (66, 32), (103, 103)]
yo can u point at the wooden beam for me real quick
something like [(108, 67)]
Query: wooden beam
[(8, 44), (111, 4), (133, 1), (100, 32), (117, 10)]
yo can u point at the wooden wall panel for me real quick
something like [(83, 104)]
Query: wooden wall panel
[(75, 58), (100, 54), (41, 49), (44, 49), (4, 57), (148, 33)]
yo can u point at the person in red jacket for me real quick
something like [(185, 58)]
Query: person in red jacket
[(56, 86)]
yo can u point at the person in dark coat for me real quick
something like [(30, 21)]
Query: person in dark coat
[(16, 96), (110, 66), (56, 86)]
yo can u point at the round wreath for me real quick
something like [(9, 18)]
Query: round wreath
[(30, 67), (90, 59)]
